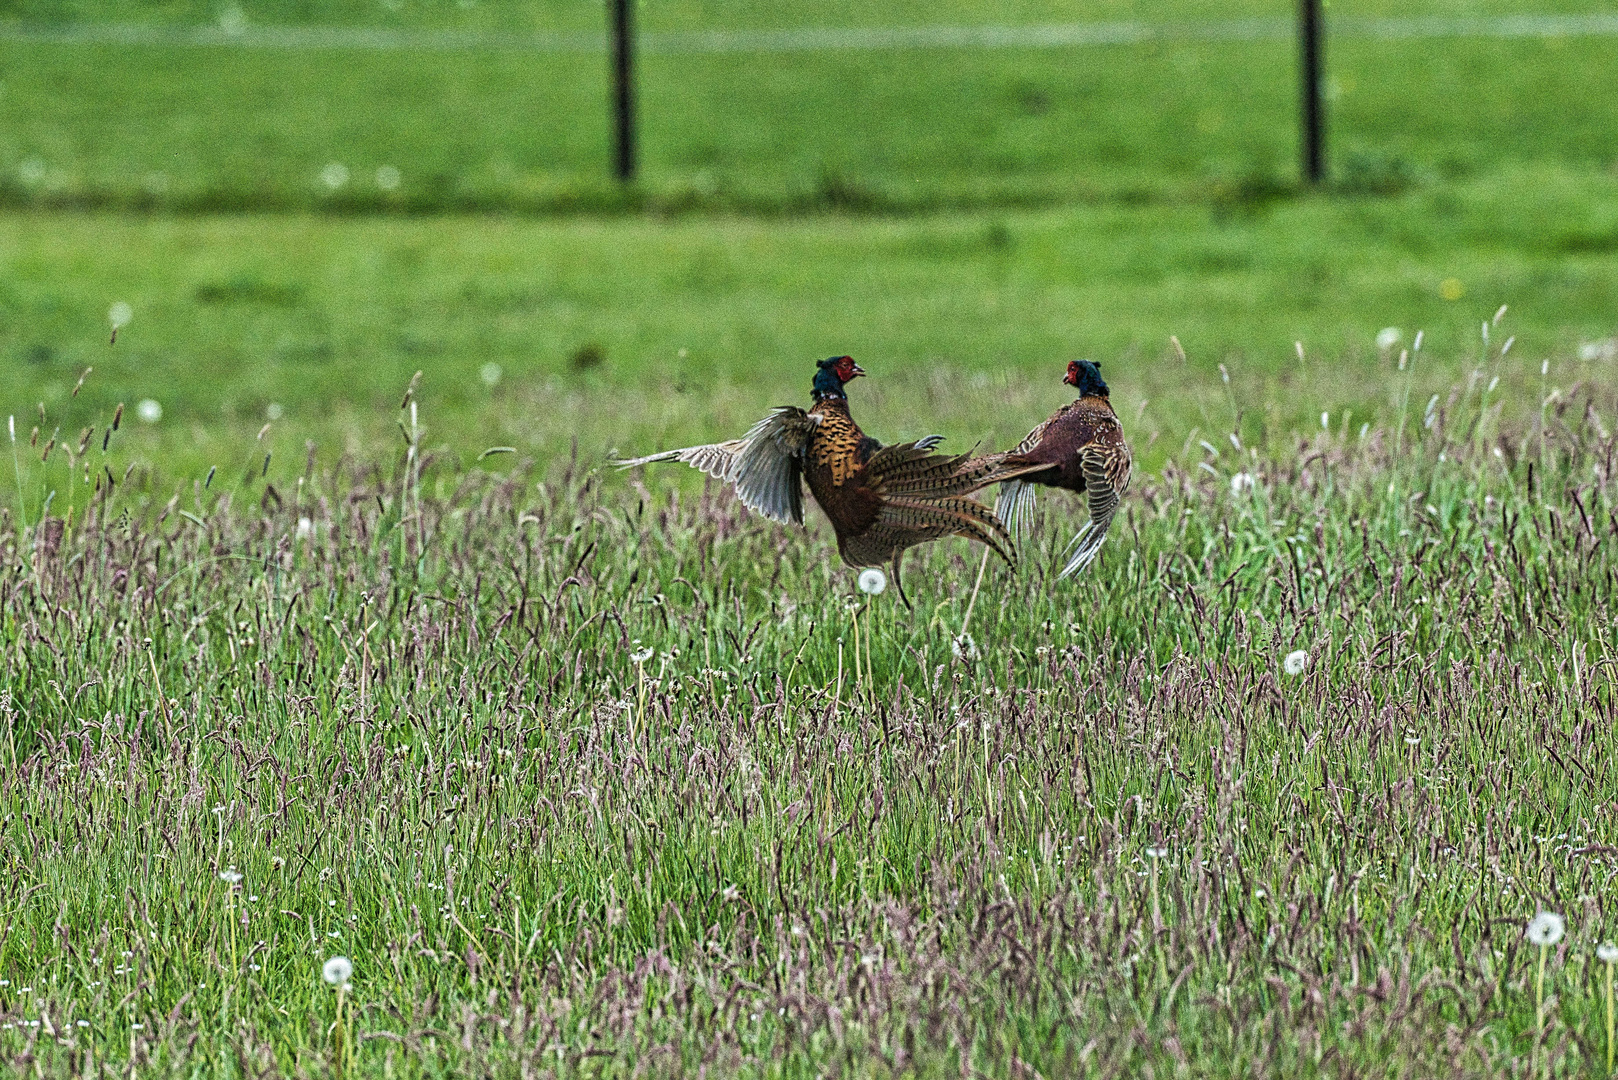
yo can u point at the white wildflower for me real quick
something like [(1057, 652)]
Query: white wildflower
[(1546, 929), (964, 648)]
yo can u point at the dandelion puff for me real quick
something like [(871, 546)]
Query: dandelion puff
[(1242, 481), (231, 876), (337, 971), (1157, 853), (1607, 953), (149, 411), (274, 411), (640, 656), (388, 178), (1295, 662), (490, 373), (873, 581), (964, 648), (334, 175), (1388, 337), (1546, 929), (120, 314)]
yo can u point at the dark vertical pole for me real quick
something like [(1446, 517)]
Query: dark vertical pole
[(623, 88), (1310, 32)]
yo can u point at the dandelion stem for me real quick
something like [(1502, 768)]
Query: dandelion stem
[(1609, 1020), (1539, 997)]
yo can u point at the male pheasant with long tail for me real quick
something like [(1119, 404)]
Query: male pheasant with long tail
[(881, 500), (1082, 449)]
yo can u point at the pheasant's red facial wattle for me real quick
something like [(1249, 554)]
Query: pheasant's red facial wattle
[(847, 369), (1072, 376)]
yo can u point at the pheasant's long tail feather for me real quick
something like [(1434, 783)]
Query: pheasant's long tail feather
[(949, 516), (906, 469)]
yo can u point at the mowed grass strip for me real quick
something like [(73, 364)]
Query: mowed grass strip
[(584, 778), (638, 335)]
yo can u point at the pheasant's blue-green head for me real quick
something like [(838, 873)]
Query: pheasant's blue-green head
[(832, 373), (1086, 375)]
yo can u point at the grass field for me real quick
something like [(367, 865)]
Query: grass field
[(593, 774), (964, 321), (411, 708)]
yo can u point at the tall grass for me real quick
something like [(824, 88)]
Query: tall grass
[(412, 707)]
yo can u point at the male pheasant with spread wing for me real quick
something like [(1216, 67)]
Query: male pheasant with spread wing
[(881, 500), (1082, 449)]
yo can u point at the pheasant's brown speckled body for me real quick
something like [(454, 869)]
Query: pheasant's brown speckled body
[(1081, 449), (881, 500)]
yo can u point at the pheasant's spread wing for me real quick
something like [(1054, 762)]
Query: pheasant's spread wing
[(1015, 506), (1106, 463), (715, 459), (765, 466), (768, 469)]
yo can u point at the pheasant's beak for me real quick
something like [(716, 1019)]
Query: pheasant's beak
[(1072, 377), (854, 371)]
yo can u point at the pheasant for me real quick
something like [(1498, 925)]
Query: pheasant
[(1081, 449), (881, 500)]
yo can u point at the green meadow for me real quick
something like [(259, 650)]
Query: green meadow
[(329, 632)]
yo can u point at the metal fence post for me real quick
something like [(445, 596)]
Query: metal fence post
[(623, 88), (1310, 33)]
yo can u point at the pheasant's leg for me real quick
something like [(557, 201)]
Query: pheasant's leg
[(898, 583)]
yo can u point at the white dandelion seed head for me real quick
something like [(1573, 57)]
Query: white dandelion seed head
[(1242, 481), (388, 178), (231, 876), (337, 970), (640, 656), (1546, 929), (490, 373), (1607, 953), (274, 411), (149, 411), (233, 20), (306, 529), (119, 315), (334, 175), (964, 648), (873, 581), (1295, 662), (1388, 337), (1157, 853)]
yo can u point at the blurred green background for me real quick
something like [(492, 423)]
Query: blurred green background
[(298, 229)]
